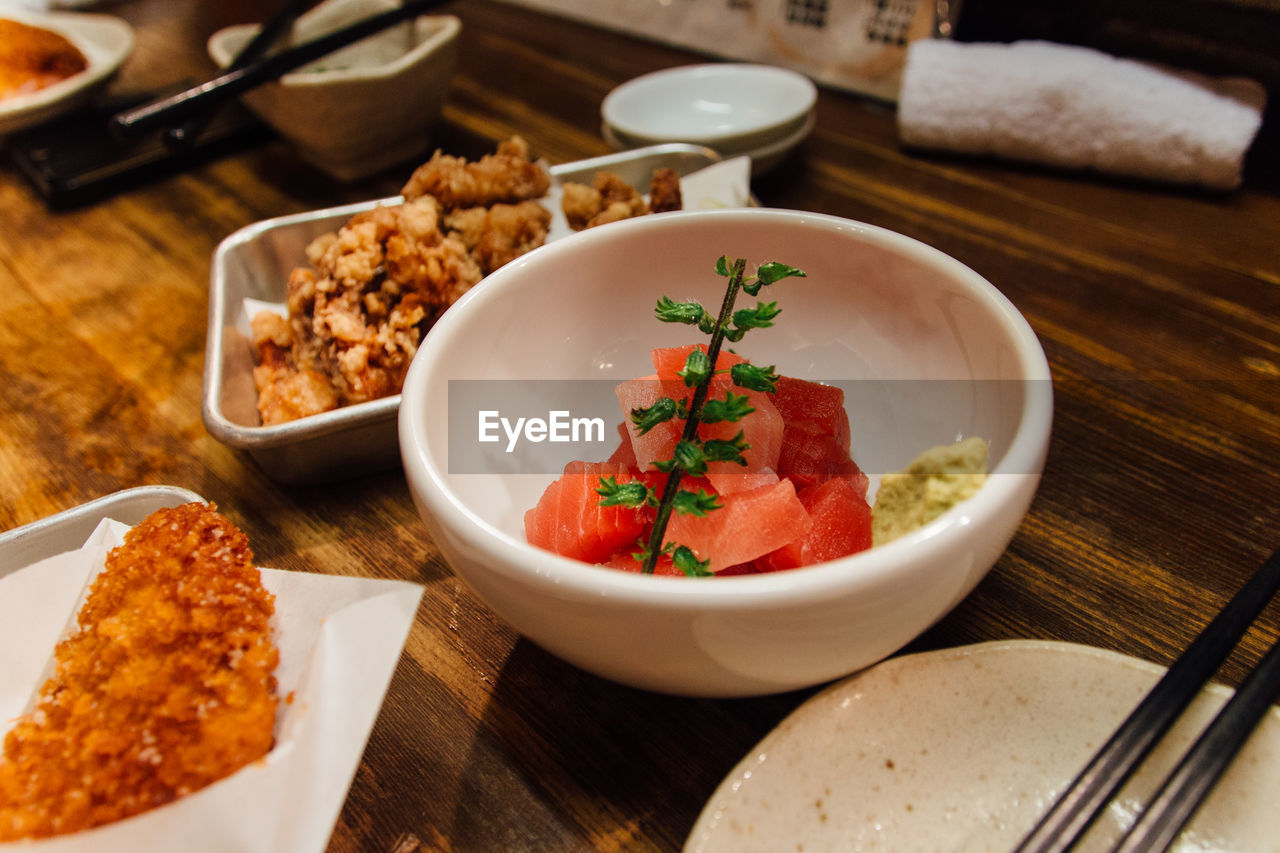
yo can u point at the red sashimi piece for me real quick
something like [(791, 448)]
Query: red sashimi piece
[(619, 524), (625, 455), (623, 560), (748, 525), (669, 361), (615, 525), (570, 521), (738, 479), (815, 440), (658, 443), (819, 406), (841, 526), (539, 522), (762, 430), (810, 456), (576, 527)]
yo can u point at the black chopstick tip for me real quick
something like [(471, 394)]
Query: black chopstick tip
[(122, 129)]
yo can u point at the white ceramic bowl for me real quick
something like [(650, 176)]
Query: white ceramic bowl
[(732, 107), (366, 107), (105, 41), (763, 159), (926, 349)]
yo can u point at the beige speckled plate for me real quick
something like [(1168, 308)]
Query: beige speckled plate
[(962, 749)]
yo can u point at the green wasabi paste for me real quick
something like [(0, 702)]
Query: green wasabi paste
[(935, 481)]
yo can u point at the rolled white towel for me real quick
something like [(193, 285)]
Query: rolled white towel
[(1077, 108)]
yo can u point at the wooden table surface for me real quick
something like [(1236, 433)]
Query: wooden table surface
[(1159, 309)]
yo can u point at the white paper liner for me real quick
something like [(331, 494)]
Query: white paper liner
[(339, 639)]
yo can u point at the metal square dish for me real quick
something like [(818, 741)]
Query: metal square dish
[(254, 263)]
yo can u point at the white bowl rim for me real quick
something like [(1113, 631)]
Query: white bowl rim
[(613, 107), (767, 590), (447, 29), (770, 148)]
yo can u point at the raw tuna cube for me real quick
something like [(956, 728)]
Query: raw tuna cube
[(749, 525), (841, 526), (569, 520)]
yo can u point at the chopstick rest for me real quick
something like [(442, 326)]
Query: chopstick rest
[(1077, 108)]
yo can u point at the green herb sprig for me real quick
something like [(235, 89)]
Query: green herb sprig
[(692, 454)]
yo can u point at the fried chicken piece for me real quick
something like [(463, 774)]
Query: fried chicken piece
[(285, 391), (580, 203), (32, 58), (165, 686), (507, 176), (610, 199), (664, 191), (621, 201), (499, 234)]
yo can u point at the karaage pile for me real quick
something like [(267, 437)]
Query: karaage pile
[(357, 315)]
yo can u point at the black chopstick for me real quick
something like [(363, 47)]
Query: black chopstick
[(1077, 807), (195, 100), (256, 48), (1189, 784)]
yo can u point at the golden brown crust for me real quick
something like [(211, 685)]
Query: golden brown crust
[(165, 687), (32, 58)]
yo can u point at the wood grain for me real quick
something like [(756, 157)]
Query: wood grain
[(1159, 309)]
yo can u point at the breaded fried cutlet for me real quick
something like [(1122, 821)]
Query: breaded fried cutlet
[(165, 685)]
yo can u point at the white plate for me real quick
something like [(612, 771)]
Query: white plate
[(727, 106), (104, 40), (763, 159), (962, 749)]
